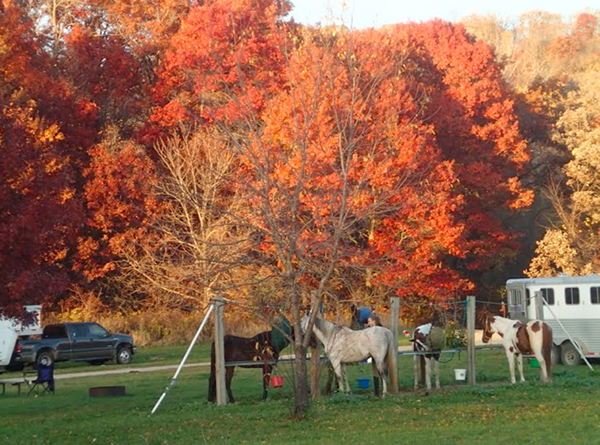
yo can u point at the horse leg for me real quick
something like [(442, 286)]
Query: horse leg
[(436, 364), (543, 368), (376, 377), (546, 352), (331, 380), (520, 364), (212, 383), (376, 388), (428, 372), (337, 368), (417, 370), (543, 354), (381, 370), (212, 388), (344, 373), (266, 376), (228, 377), (511, 364)]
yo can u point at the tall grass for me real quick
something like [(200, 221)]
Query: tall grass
[(152, 325)]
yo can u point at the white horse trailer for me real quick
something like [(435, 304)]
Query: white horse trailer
[(11, 330), (572, 310)]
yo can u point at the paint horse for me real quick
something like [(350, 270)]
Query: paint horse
[(262, 350), (518, 338), (428, 340), (343, 345)]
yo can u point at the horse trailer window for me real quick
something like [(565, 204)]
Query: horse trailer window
[(595, 294), (572, 295), (548, 295), (528, 297)]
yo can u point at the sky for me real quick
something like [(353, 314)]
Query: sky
[(376, 13)]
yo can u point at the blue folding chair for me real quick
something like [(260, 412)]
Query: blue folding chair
[(44, 381)]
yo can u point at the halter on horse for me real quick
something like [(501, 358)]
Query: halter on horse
[(343, 345), (533, 337), (428, 338), (263, 348)]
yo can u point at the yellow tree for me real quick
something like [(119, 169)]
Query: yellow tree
[(572, 244)]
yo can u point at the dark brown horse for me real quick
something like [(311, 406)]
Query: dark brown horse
[(261, 351)]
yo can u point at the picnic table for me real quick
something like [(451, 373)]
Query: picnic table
[(25, 379)]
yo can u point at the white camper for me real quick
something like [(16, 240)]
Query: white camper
[(11, 330), (572, 310)]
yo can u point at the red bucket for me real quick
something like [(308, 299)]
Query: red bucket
[(277, 381)]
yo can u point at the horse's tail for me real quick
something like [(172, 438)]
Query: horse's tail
[(547, 349), (212, 384)]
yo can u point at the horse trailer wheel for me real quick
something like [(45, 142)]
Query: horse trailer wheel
[(569, 355), (124, 356)]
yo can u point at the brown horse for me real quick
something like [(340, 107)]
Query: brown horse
[(261, 351)]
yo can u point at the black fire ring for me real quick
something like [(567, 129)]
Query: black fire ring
[(104, 391)]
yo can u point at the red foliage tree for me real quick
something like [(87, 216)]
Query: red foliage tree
[(102, 71), (41, 127), (476, 128)]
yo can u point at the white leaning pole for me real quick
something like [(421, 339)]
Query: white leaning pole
[(185, 357)]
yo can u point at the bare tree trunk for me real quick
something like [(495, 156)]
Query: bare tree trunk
[(301, 395)]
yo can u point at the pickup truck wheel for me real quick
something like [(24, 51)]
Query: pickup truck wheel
[(45, 359), (124, 356)]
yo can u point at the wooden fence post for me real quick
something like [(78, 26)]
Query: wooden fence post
[(471, 339), (394, 317), (220, 353)]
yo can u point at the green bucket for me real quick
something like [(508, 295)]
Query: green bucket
[(533, 362)]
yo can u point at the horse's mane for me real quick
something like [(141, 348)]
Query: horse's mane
[(484, 314), (321, 322)]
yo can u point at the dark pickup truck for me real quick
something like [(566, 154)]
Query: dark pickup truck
[(87, 342)]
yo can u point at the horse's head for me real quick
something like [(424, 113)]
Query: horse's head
[(304, 322), (488, 326)]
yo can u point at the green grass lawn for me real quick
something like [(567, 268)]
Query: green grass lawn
[(491, 412)]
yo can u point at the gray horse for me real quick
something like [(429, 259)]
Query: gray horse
[(343, 345)]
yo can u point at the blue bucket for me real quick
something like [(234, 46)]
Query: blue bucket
[(364, 383)]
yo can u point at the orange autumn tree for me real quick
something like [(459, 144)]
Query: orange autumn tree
[(332, 152), (120, 202), (342, 159), (347, 151), (224, 49)]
